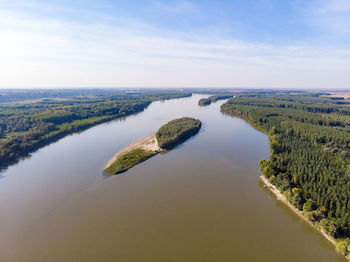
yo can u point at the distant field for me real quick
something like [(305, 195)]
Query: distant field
[(32, 101), (344, 94)]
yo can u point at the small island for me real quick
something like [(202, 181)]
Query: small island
[(167, 137)]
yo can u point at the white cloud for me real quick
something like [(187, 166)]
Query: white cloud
[(47, 52), (333, 6), (332, 15)]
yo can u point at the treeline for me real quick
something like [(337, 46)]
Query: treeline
[(36, 95), (25, 128), (213, 99), (313, 105), (310, 153), (177, 131)]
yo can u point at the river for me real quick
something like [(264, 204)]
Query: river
[(202, 201)]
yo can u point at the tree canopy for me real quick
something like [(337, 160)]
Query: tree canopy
[(177, 131)]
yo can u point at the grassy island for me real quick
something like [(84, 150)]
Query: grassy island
[(133, 154), (129, 159), (177, 131), (167, 137)]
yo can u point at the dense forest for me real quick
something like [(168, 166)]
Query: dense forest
[(26, 127), (177, 131), (310, 153)]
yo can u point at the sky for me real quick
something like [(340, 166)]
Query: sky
[(221, 43)]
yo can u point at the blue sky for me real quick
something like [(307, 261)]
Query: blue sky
[(261, 43)]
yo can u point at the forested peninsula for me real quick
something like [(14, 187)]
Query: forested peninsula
[(213, 99), (310, 154), (167, 137), (27, 125)]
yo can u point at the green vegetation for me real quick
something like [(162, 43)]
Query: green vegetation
[(213, 99), (129, 160), (177, 131), (204, 102), (343, 246), (310, 152), (25, 128)]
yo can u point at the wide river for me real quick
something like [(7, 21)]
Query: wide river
[(202, 201)]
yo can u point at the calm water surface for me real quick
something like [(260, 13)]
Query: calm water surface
[(203, 201)]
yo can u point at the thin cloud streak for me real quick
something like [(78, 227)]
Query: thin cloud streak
[(177, 7), (332, 15)]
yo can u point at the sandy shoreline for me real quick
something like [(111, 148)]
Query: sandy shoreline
[(149, 143), (282, 198)]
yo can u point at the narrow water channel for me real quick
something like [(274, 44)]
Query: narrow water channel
[(203, 201)]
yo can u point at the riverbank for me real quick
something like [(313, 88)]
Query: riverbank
[(282, 198), (272, 122), (148, 143), (29, 127)]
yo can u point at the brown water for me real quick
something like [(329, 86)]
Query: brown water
[(202, 201)]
